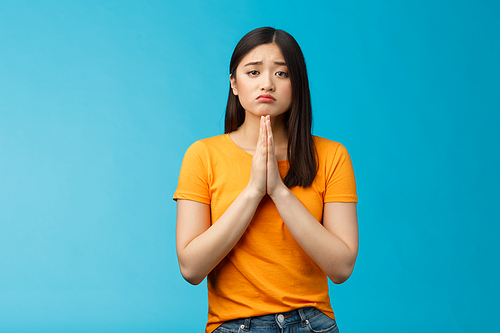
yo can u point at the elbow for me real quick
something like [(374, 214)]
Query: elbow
[(190, 271), (341, 272), (190, 275), (339, 279), (193, 281), (341, 276)]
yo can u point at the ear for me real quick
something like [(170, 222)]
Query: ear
[(232, 79)]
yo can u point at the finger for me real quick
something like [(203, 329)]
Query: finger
[(270, 137), (263, 138), (260, 142), (264, 132)]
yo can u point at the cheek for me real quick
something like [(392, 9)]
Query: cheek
[(244, 91)]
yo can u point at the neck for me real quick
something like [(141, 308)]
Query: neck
[(247, 135)]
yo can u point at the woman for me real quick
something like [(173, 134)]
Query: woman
[(267, 211)]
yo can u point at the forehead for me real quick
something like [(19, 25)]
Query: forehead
[(265, 53)]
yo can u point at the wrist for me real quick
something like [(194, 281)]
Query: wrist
[(253, 194), (281, 193)]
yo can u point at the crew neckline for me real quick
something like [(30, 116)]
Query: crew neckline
[(245, 152)]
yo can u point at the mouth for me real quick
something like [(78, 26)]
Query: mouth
[(266, 98)]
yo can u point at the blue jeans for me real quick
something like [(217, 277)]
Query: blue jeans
[(296, 321)]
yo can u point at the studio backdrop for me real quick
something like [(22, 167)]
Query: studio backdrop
[(100, 99)]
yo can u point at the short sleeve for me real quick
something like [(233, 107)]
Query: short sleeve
[(341, 184), (193, 177)]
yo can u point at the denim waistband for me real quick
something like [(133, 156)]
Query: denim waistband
[(281, 319)]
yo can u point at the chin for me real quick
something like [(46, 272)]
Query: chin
[(265, 111)]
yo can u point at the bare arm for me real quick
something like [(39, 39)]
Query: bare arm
[(333, 246), (200, 247)]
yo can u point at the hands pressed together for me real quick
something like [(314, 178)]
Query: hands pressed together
[(265, 176), (332, 245)]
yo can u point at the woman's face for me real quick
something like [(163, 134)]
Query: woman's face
[(262, 83)]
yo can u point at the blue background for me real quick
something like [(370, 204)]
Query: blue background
[(100, 99)]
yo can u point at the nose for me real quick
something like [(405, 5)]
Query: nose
[(267, 83)]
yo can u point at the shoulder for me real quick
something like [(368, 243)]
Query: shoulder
[(331, 153), (211, 141), (216, 149), (328, 147), (334, 164), (218, 139), (208, 144), (200, 154)]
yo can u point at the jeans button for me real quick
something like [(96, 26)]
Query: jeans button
[(281, 318)]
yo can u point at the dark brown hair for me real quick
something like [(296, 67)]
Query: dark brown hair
[(298, 120)]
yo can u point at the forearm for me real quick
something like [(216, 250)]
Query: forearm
[(202, 254), (331, 253)]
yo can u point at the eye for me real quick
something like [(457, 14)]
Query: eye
[(283, 74), (253, 73)]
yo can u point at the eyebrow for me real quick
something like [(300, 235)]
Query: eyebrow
[(260, 63)]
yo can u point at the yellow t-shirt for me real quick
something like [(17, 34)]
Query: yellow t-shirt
[(266, 271)]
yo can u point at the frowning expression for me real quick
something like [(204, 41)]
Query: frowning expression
[(262, 82)]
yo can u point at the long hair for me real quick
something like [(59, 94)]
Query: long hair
[(301, 152)]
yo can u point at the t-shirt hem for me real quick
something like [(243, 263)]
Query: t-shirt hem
[(192, 197), (344, 198)]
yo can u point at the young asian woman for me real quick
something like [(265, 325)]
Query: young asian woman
[(267, 211)]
